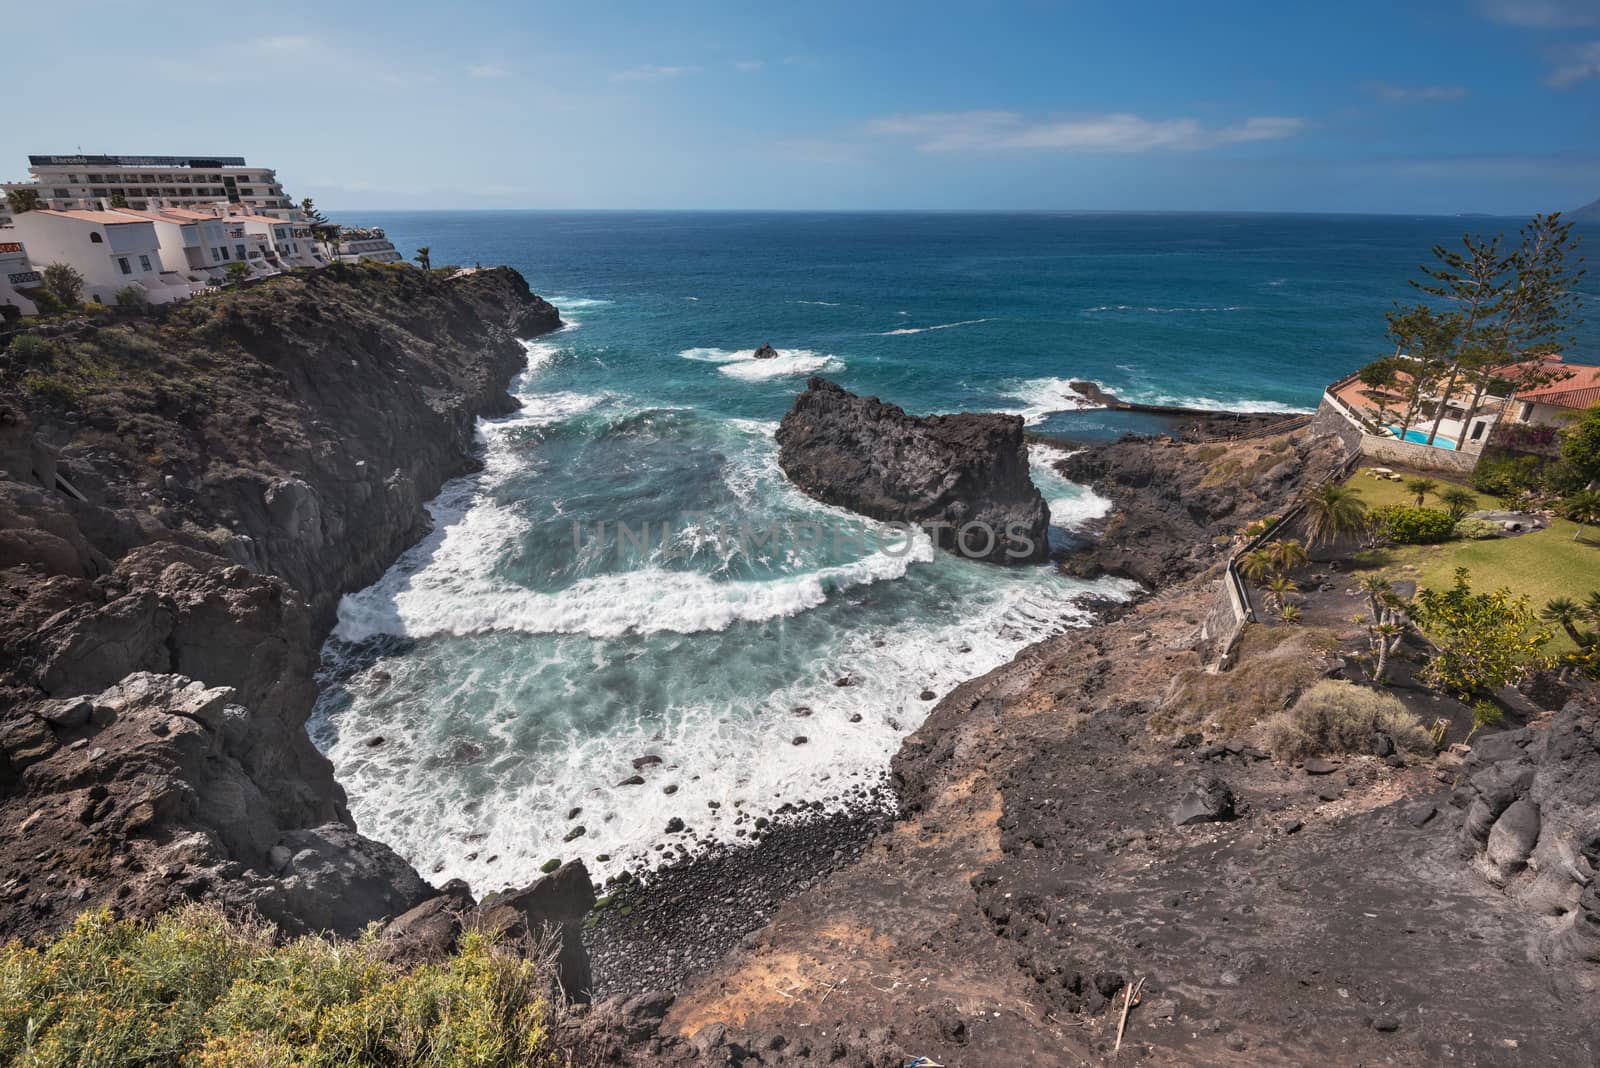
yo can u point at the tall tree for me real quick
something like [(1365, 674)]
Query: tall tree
[(64, 283), (1474, 282), (1509, 308), (1423, 338), (23, 200), (1539, 314), (424, 257)]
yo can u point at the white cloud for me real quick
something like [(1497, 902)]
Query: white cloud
[(1543, 14), (489, 71), (1419, 92), (652, 73), (988, 131), (1581, 64), (749, 66)]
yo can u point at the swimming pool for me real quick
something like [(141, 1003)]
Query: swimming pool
[(1421, 437)]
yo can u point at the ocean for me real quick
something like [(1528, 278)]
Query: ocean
[(517, 662)]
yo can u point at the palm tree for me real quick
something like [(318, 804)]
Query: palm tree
[(1458, 501), (1257, 564), (1375, 586), (1565, 613), (1278, 591), (1591, 607), (1421, 487), (1289, 613), (424, 257), (1334, 511), (1582, 508), (1289, 554)]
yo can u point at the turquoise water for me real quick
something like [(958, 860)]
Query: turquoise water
[(515, 670), (1421, 437)]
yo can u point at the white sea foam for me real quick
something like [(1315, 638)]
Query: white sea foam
[(1071, 505), (937, 326), (1166, 311), (496, 827), (1208, 404), (579, 303), (743, 364), (820, 303), (451, 596), (1042, 397)]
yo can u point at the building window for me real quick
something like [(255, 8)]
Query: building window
[(144, 263), (95, 239), (122, 261), (238, 251), (1477, 431), (224, 251), (216, 255), (1527, 412), (62, 193)]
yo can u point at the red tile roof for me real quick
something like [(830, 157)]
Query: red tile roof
[(1578, 389)]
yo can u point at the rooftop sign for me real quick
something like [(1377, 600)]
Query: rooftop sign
[(137, 161)]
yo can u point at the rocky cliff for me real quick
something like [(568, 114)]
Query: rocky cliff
[(1172, 501), (184, 496), (940, 471)]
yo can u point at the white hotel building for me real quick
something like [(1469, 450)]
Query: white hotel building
[(171, 225), (85, 182)]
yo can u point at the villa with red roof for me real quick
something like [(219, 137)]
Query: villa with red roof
[(1554, 403)]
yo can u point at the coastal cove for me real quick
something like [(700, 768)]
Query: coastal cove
[(487, 701)]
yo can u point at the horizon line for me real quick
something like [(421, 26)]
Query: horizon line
[(960, 211)]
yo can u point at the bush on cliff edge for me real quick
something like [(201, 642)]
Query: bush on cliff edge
[(1341, 717), (196, 988)]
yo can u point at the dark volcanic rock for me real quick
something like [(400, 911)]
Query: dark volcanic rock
[(1208, 801), (553, 906), (239, 462), (766, 352), (941, 471), (1533, 823), (1170, 501)]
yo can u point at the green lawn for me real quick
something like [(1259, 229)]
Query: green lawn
[(1543, 564), (1381, 492)]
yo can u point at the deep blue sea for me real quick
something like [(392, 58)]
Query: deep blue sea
[(517, 661)]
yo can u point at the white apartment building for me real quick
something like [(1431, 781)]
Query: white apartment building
[(194, 244), (83, 182), (289, 243), (110, 249), (17, 277)]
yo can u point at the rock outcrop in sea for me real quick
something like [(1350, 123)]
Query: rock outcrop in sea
[(184, 496), (942, 471)]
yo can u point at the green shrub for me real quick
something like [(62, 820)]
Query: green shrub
[(1413, 526), (51, 388), (1506, 475), (195, 988), (30, 350), (132, 296), (1341, 717), (1471, 529)]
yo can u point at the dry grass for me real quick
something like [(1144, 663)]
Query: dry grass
[(1273, 666), (1341, 717)]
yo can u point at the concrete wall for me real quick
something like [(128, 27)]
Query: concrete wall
[(1224, 622), (1381, 448), (1392, 450)]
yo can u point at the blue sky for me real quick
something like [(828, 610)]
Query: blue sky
[(1455, 105)]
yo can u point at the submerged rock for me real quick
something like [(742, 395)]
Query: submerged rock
[(963, 477)]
